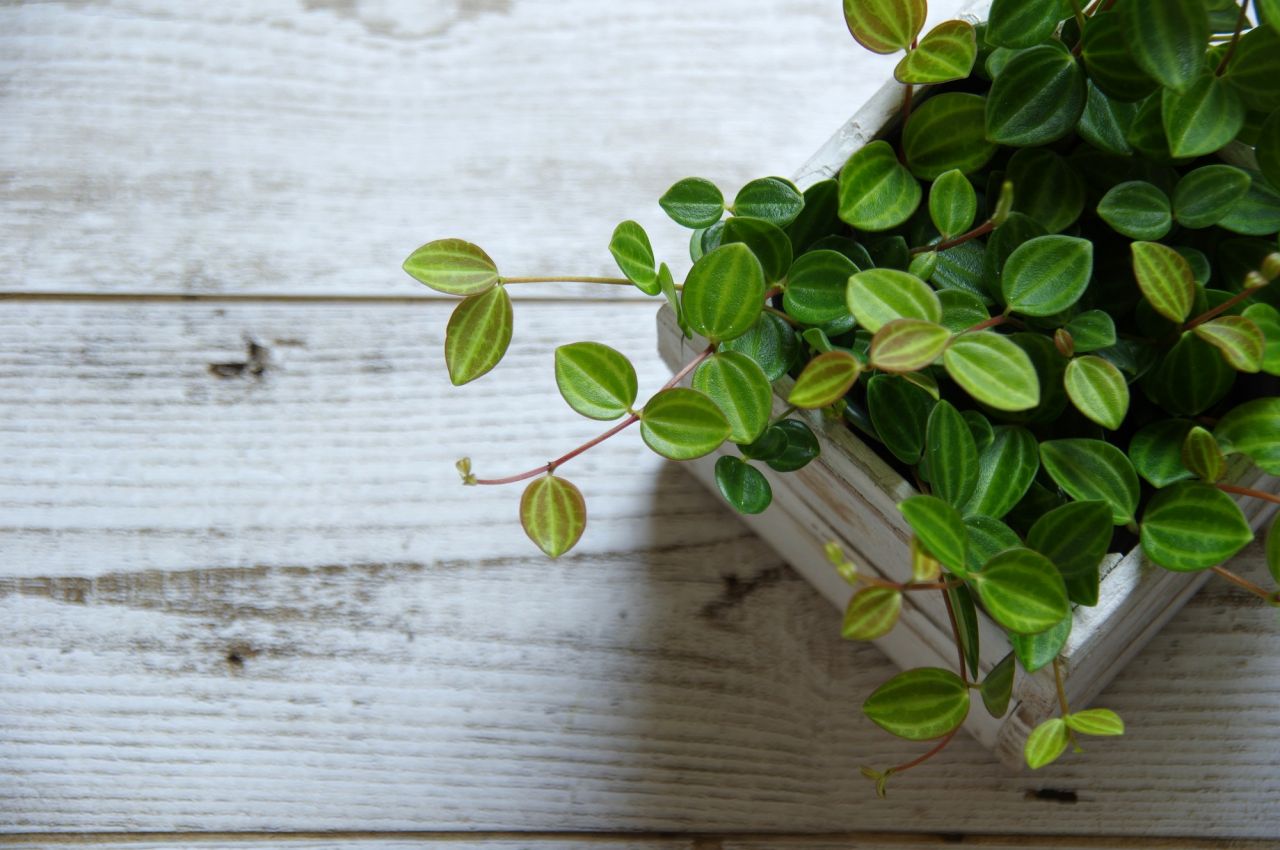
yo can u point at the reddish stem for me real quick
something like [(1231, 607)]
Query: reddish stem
[(981, 230), (987, 323), (946, 739), (1235, 39), (1221, 308), (1245, 491), (1241, 581)]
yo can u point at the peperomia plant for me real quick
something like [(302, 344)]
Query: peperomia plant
[(1045, 298)]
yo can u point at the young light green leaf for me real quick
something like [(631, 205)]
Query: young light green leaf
[(1201, 455), (693, 202), (1095, 721), (951, 454), (1205, 195), (801, 446), (997, 687), (1250, 429), (1046, 275), (946, 53), (667, 286), (682, 424), (1192, 526), (477, 335), (742, 485), (1167, 38), (453, 266), (765, 239), (1267, 318), (724, 292), (1039, 650), (872, 613), (906, 345), (1136, 209), (947, 132), (1023, 23), (1093, 470), (961, 309), (1005, 470), (878, 296), (1022, 591), (739, 387), (884, 26), (1238, 340), (771, 342), (634, 255), (1092, 330), (825, 380), (1098, 390), (1165, 278), (899, 411), (924, 567), (1046, 742), (876, 191), (993, 370), (770, 199), (1075, 537), (595, 380), (919, 704), (953, 203), (816, 286), (553, 514), (940, 529), (1037, 97), (1202, 118)]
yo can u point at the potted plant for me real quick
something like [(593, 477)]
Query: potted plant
[(1022, 323)]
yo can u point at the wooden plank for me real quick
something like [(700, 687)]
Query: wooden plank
[(271, 146)]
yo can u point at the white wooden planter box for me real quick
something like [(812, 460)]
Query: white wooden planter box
[(850, 495)]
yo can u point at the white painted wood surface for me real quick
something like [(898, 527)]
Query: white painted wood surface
[(241, 599)]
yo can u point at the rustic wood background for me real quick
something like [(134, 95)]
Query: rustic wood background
[(241, 591)]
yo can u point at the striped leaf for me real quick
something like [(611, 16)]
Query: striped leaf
[(872, 613), (825, 380), (595, 380), (816, 287), (1190, 378), (1046, 187), (951, 454), (906, 345), (1203, 118), (919, 704), (693, 202), (1254, 68), (771, 199), (1075, 537), (1205, 195), (987, 537), (1156, 451), (1136, 209), (947, 131), (961, 309), (724, 292), (1095, 721), (1257, 213), (766, 240), (953, 203), (1106, 121), (885, 26), (876, 191), (946, 53), (1110, 63), (1046, 742), (477, 335), (1093, 470), (632, 252), (924, 567), (1202, 455), (1023, 23), (997, 687), (1238, 340), (1267, 318), (1022, 591), (682, 424), (878, 296), (993, 370), (742, 485), (740, 389), (1091, 330), (967, 619), (1167, 38), (940, 529), (1037, 651), (553, 514), (1046, 275), (1250, 429), (899, 412), (1165, 278), (771, 342), (1036, 98), (1192, 526), (453, 267), (1098, 390)]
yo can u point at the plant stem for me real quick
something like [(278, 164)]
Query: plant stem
[(611, 281), (906, 587), (630, 420), (991, 323), (1241, 581), (1245, 491), (1221, 308), (919, 760), (1235, 39), (1057, 681), (781, 315), (981, 230), (791, 408)]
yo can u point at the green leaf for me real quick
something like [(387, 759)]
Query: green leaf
[(967, 621), (953, 204), (1167, 38), (738, 386), (878, 296), (876, 191), (919, 704), (1105, 122), (1095, 721), (946, 53), (1045, 187), (961, 310), (1075, 537), (801, 446), (987, 537), (1201, 455), (946, 132), (939, 527), (872, 613), (899, 411), (1048, 274), (1023, 23), (1156, 452), (682, 424), (477, 335), (1037, 98), (1098, 390), (1273, 549), (1190, 378), (1045, 743), (595, 380), (631, 250), (1192, 526), (771, 199), (1093, 470), (816, 286), (1254, 69), (1165, 278), (553, 514), (1136, 209), (742, 485), (1022, 591), (997, 687), (1091, 330), (1269, 13), (1205, 195), (1267, 148), (825, 380), (1267, 318), (724, 292), (907, 345), (1006, 469), (884, 26), (667, 285), (952, 455), (765, 239), (817, 218), (993, 370), (1250, 429), (771, 342), (1037, 651), (1238, 339), (1257, 213), (1203, 118), (453, 267), (1109, 61), (693, 202)]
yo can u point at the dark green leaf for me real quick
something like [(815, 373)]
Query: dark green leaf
[(1167, 38), (1075, 537), (953, 204), (1257, 213), (993, 370), (946, 53), (1098, 390), (1201, 455), (768, 446), (1267, 318), (1110, 63), (634, 255), (899, 410), (1136, 209), (802, 446), (693, 202), (1156, 452), (1192, 526), (1250, 429), (1205, 195), (771, 342), (1095, 721), (771, 199), (997, 687), (1165, 278), (1006, 469), (1037, 98), (872, 613), (453, 266), (1273, 549), (919, 704), (1146, 132), (1046, 275), (876, 191), (967, 621), (682, 424), (765, 239), (816, 286), (952, 455), (1045, 743), (884, 26), (595, 380), (1046, 188), (724, 292), (878, 296), (742, 485), (907, 345), (1203, 118), (1023, 23), (1092, 330), (1254, 69), (1238, 340), (1022, 591), (825, 380), (477, 335), (740, 389), (1039, 650), (947, 132), (817, 218), (940, 529), (553, 514), (1268, 148), (1190, 378), (1105, 122), (1093, 470), (987, 538)]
